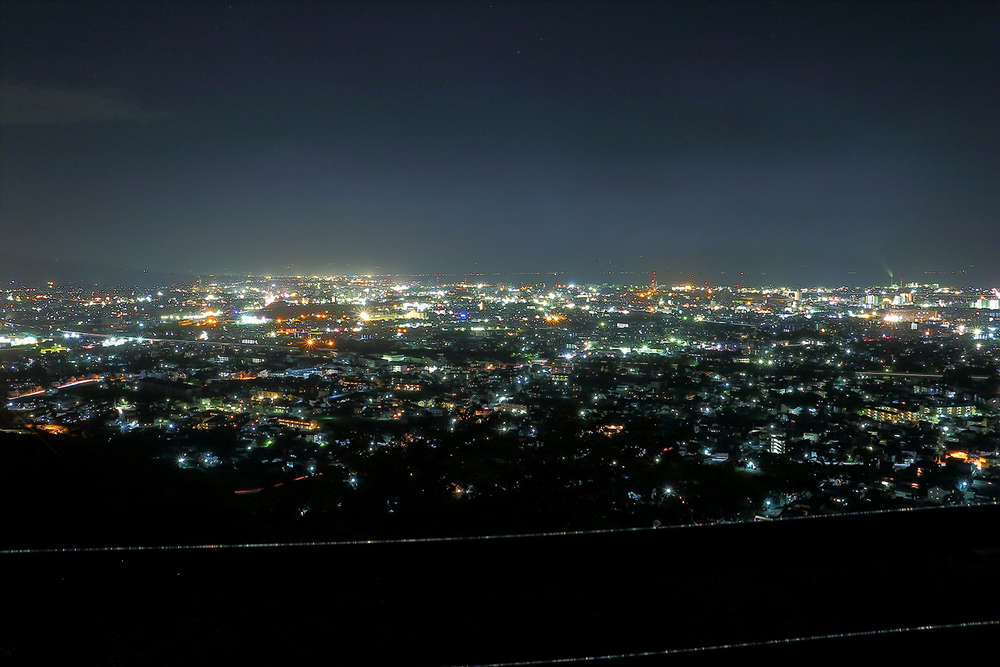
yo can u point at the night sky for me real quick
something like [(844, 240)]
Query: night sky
[(814, 142)]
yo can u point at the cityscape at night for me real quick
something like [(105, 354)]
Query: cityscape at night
[(444, 333), (544, 407), (337, 410)]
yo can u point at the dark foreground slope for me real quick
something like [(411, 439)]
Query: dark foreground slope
[(513, 599)]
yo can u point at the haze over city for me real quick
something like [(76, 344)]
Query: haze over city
[(812, 143)]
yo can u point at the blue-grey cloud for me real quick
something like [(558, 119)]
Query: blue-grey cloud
[(26, 104)]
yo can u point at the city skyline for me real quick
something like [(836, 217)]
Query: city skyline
[(30, 272)]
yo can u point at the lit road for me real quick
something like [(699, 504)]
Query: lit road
[(193, 341), (74, 383)]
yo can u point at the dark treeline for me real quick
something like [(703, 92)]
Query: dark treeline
[(127, 489)]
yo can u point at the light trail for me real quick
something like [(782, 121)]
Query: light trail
[(767, 642), (76, 382), (62, 386), (466, 538), (261, 488)]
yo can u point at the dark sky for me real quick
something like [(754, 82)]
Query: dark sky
[(819, 142)]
